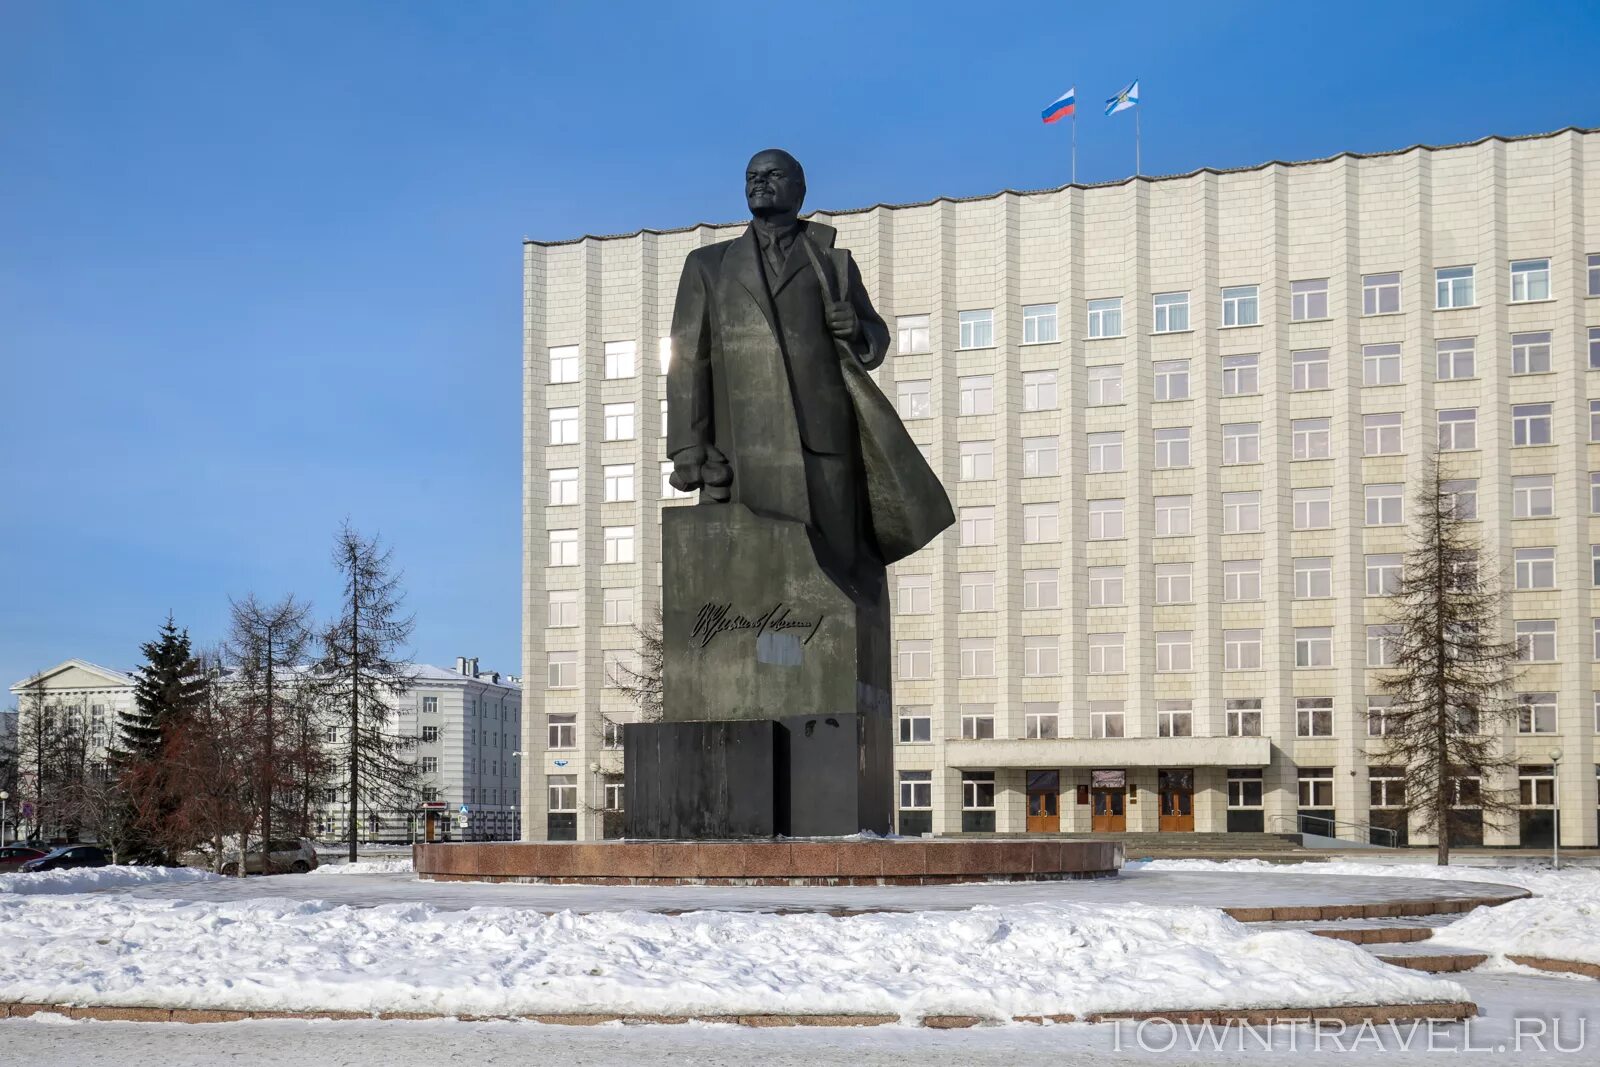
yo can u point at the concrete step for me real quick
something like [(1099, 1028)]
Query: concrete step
[(1376, 935), (1434, 962)]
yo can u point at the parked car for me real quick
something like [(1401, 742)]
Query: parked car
[(288, 855), (12, 857), (69, 856)]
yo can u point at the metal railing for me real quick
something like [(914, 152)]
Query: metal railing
[(1364, 832)]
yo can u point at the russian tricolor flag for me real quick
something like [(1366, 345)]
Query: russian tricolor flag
[(1061, 107)]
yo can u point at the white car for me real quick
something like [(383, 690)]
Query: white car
[(291, 855)]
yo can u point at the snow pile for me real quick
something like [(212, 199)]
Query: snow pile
[(92, 879), (995, 962), (391, 866)]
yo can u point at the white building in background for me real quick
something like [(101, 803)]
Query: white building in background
[(467, 722), (1177, 418)]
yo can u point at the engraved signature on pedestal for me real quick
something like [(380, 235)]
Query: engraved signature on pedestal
[(715, 619)]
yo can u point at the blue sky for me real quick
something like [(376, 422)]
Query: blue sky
[(259, 264)]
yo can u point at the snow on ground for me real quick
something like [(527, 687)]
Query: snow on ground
[(93, 879), (389, 866), (994, 962)]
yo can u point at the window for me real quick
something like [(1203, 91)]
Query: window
[(1380, 364), (1594, 422), (1039, 390), (1530, 352), (1040, 523), (1244, 787), (562, 607), (429, 764), (911, 335), (977, 590), (1378, 706), (1381, 434), (1461, 497), (1240, 306), (1530, 280), (619, 358), (1380, 294), (1041, 721), (1458, 429), (1536, 640), (430, 734), (1535, 568), (1174, 718), (1536, 713), (1383, 574), (1533, 496), (1594, 346), (1106, 719), (1594, 565), (1039, 324), (619, 482), (1594, 275), (1453, 286), (915, 659), (562, 669), (1313, 646), (1530, 424), (1105, 386), (1313, 509), (916, 725), (1458, 358), (1313, 717), (663, 423), (1105, 452), (916, 790), (1387, 787), (1241, 512), (1313, 577), (1172, 447), (1536, 786), (1105, 653), (563, 793), (619, 422), (1173, 650), (977, 394), (1241, 443), (564, 364), (1594, 492), (1316, 787), (1173, 516), (1243, 716), (977, 722), (563, 486), (1041, 589), (668, 490), (1041, 656), (1241, 580), (1382, 644), (1172, 379), (1310, 439), (563, 548), (1385, 504), (1174, 583), (914, 399), (1105, 317), (1241, 650), (977, 526), (914, 594), (1172, 312), (977, 461), (1039, 457), (430, 705), (977, 657), (618, 544), (1241, 375), (1308, 369), (1308, 299), (563, 731), (1105, 519), (563, 426), (977, 790), (977, 328), (1105, 587)]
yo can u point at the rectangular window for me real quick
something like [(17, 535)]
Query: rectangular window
[(617, 606), (430, 705), (564, 364), (1105, 386), (1385, 504), (1105, 519), (1311, 439), (1173, 650), (1533, 496), (1316, 787), (977, 328), (1241, 580), (1172, 379), (1461, 498), (1039, 390), (1241, 443), (1594, 422), (1381, 434), (1313, 646), (1041, 589), (1241, 375), (563, 793), (916, 725), (1458, 429), (1535, 568), (430, 734), (1105, 317), (1453, 286), (1172, 447), (619, 482), (977, 657), (429, 764), (1382, 644), (977, 722), (1594, 348), (561, 608), (1383, 573), (620, 358), (1313, 717), (561, 669), (563, 731), (1387, 787), (1174, 583), (1313, 508), (1380, 294), (1172, 312), (1378, 706), (977, 394), (1244, 787), (563, 548), (1530, 352), (1041, 656), (1041, 523), (663, 422), (618, 544), (1313, 577), (1380, 364), (1040, 457), (1458, 358), (914, 659), (1536, 786), (1039, 324), (1241, 512), (1105, 654), (1530, 280), (912, 336), (914, 399), (977, 590), (1308, 299), (1594, 274), (1594, 565), (916, 790), (1241, 650), (977, 790), (977, 461), (1243, 715), (1106, 719), (619, 422), (563, 426), (1308, 369), (1536, 640), (977, 526), (914, 594), (1105, 452), (563, 486), (1105, 587), (1174, 718), (1174, 516), (1240, 306), (1536, 713), (1041, 721)]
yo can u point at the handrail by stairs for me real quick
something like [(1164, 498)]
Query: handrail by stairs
[(1364, 831)]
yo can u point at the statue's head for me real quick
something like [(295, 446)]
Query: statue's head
[(774, 183)]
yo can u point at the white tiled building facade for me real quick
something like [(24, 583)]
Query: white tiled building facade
[(1177, 418)]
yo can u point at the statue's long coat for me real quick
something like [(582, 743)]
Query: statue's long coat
[(757, 373)]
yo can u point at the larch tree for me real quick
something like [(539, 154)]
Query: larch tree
[(1451, 671)]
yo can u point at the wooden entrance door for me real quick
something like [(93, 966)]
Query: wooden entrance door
[(1108, 814), (1177, 800), (1044, 800)]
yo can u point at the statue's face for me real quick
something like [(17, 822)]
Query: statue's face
[(773, 184)]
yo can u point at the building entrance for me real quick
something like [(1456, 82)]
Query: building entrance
[(1044, 802), (1108, 797), (1177, 800)]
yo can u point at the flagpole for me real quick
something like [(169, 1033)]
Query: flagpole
[(1074, 146)]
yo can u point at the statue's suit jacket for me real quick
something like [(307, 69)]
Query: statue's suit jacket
[(757, 373)]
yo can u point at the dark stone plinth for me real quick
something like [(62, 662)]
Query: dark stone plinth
[(701, 779), (827, 787)]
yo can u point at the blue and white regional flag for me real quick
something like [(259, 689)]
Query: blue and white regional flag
[(1128, 97)]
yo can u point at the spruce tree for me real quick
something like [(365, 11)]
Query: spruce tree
[(167, 687)]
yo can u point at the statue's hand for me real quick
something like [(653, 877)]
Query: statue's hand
[(842, 319), (702, 467)]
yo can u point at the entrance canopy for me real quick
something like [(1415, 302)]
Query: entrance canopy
[(1112, 752)]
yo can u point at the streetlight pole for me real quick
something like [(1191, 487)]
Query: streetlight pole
[(4, 796), (1555, 791)]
